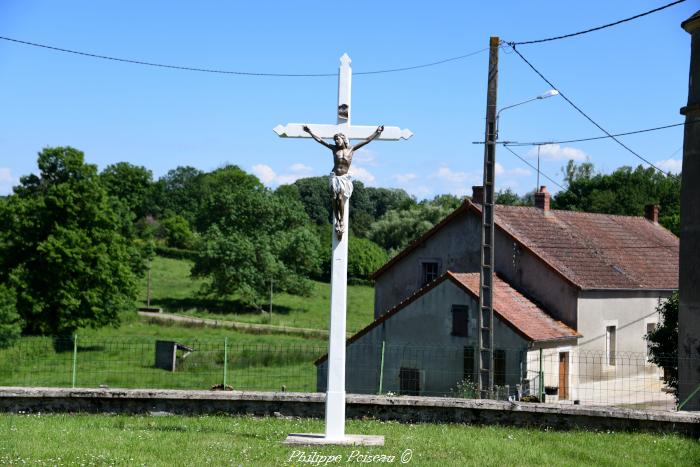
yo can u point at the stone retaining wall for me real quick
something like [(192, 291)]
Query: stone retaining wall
[(403, 408)]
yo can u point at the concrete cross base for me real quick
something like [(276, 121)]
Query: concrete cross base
[(308, 439)]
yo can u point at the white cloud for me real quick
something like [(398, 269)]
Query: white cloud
[(555, 152), (5, 175), (300, 168), (447, 174), (404, 178), (499, 169), (519, 172), (671, 165), (7, 181), (268, 176), (264, 173), (362, 174), (365, 157)]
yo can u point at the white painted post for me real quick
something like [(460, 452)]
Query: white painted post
[(335, 395)]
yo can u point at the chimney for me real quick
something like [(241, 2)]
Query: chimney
[(542, 199), (478, 194), (651, 212)]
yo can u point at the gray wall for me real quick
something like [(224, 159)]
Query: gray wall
[(527, 273), (403, 409), (456, 247), (420, 336), (629, 311)]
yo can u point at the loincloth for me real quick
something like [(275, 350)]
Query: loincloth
[(340, 184)]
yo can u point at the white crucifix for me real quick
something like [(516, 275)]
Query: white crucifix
[(340, 185)]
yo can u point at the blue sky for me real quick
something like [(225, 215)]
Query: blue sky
[(629, 77)]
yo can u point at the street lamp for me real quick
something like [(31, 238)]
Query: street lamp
[(550, 93)]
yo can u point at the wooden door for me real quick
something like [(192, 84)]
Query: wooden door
[(563, 375)]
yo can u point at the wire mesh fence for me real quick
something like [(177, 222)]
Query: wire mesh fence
[(573, 376)]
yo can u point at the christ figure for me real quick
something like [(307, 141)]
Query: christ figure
[(340, 182)]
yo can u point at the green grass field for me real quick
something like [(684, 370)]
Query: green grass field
[(125, 357), (174, 291), (247, 441)]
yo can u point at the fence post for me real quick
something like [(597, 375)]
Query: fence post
[(381, 369), (75, 359), (225, 361), (541, 376), (692, 394)]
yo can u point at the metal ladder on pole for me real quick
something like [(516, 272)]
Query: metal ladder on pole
[(485, 318)]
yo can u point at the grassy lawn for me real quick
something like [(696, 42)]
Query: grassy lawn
[(174, 291), (220, 440), (125, 357)]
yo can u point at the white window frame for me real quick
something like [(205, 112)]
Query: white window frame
[(655, 321), (608, 324)]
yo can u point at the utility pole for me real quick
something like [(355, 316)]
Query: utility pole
[(487, 227)]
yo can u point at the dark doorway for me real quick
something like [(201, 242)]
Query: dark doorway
[(409, 381)]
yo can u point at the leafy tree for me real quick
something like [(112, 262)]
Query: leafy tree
[(218, 187), (255, 236), (625, 191), (316, 199), (364, 256), (447, 202), (663, 341), (62, 249), (176, 231), (131, 184), (387, 199), (10, 322), (509, 198), (398, 228), (181, 192), (367, 204)]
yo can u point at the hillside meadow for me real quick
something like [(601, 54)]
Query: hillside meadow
[(176, 292)]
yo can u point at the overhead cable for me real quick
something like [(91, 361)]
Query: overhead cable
[(579, 110), (232, 72), (594, 138), (532, 166), (609, 25)]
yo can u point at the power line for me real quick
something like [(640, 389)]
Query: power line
[(565, 36), (581, 111), (579, 140), (439, 62), (594, 138), (533, 167), (231, 72)]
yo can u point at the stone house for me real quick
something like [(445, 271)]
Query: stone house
[(600, 275), (430, 339)]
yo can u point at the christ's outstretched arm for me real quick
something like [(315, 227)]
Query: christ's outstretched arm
[(308, 130), (376, 133)]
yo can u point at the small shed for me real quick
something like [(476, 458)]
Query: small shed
[(166, 354)]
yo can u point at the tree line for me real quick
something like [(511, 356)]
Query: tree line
[(74, 241)]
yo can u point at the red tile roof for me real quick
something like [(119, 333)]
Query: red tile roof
[(591, 251), (597, 251), (512, 307), (518, 311)]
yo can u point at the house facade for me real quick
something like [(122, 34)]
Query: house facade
[(427, 344), (601, 275)]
